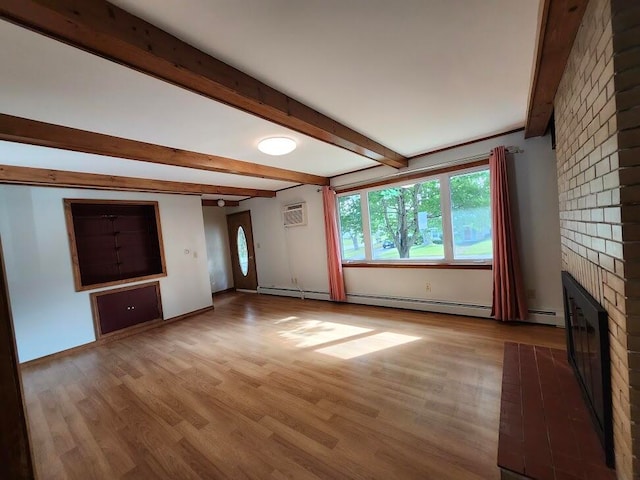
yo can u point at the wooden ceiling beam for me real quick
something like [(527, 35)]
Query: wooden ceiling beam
[(61, 178), (32, 132), (110, 32), (558, 25), (214, 203)]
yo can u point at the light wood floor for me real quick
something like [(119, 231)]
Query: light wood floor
[(243, 392)]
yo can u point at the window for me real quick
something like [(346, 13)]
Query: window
[(114, 242), (243, 251), (351, 236), (471, 215), (438, 219), (406, 222)]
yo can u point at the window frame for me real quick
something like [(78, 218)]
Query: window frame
[(444, 178)]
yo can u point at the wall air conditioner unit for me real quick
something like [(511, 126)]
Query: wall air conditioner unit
[(295, 215)]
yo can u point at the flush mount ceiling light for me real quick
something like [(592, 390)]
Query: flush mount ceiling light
[(277, 145), (221, 203)]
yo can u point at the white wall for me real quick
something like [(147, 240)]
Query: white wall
[(535, 186), (49, 315), (290, 258), (217, 237), (303, 248)]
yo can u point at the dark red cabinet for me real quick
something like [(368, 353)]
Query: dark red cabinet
[(122, 308)]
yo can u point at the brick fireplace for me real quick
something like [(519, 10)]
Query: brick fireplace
[(597, 119)]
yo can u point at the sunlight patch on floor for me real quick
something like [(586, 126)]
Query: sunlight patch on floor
[(285, 320), (366, 345), (310, 333)]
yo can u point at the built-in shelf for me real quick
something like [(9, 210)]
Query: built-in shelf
[(114, 242)]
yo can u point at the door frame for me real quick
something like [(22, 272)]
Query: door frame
[(15, 449)]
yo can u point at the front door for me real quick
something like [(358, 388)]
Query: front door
[(242, 254)]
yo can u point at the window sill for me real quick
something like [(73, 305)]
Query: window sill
[(441, 266)]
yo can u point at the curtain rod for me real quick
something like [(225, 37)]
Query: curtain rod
[(400, 173)]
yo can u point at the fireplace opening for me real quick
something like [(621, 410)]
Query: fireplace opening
[(587, 334)]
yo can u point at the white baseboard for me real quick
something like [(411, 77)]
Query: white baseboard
[(542, 317)]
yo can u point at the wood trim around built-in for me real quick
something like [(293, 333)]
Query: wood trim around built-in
[(558, 25), (15, 450), (116, 336), (71, 235), (112, 33), (32, 132), (43, 177), (437, 266), (413, 176), (96, 313)]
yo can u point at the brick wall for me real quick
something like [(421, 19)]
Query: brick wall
[(626, 47), (597, 114)]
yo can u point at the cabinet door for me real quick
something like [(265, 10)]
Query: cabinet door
[(113, 311), (143, 304), (127, 307)]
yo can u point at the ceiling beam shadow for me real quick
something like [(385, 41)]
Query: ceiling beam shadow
[(61, 178), (101, 28), (32, 132)]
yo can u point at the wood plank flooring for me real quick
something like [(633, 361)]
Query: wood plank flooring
[(275, 388)]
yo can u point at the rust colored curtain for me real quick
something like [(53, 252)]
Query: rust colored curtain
[(509, 301), (336, 279)]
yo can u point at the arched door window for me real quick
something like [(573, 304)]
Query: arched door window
[(243, 251)]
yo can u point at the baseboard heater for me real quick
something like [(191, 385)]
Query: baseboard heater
[(546, 317), (294, 292), (438, 306)]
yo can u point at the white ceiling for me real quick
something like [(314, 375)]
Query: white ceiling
[(52, 82), (415, 75)]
